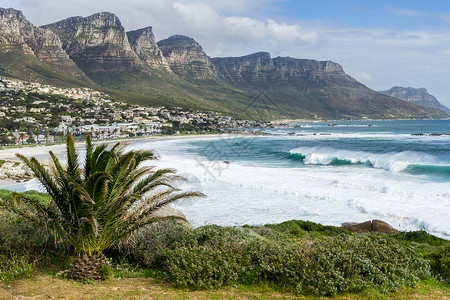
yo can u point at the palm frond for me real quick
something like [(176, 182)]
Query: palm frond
[(94, 206)]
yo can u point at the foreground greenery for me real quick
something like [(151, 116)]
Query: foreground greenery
[(90, 207), (292, 258)]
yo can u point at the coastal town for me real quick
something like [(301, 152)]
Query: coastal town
[(34, 113)]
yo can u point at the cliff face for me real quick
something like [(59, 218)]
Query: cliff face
[(250, 68), (260, 67), (417, 96), (307, 68), (186, 57), (97, 43), (143, 43), (16, 30)]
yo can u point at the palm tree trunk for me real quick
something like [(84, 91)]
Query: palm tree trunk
[(85, 267)]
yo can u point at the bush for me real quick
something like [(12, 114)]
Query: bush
[(20, 236), (148, 247), (354, 263), (440, 262), (13, 266), (420, 236), (214, 256), (299, 227)]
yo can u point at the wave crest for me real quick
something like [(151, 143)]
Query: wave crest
[(391, 161)]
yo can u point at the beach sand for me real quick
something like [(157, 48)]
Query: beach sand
[(41, 152)]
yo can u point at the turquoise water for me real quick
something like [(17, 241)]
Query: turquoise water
[(396, 171), (413, 147)]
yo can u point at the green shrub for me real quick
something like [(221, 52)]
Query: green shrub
[(420, 236), (298, 227), (440, 262), (106, 271), (13, 266), (20, 236), (214, 256), (149, 246), (203, 267), (215, 235), (42, 197), (354, 263)]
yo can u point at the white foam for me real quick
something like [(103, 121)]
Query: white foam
[(240, 194), (392, 161)]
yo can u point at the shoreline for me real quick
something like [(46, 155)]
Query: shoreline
[(41, 151), (343, 120), (19, 174)]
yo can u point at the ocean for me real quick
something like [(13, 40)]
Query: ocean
[(355, 171)]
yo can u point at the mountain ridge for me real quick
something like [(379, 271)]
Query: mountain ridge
[(177, 72), (419, 96)]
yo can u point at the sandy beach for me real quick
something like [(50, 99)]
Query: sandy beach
[(42, 152)]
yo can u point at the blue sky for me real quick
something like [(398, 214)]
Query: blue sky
[(410, 15), (381, 43)]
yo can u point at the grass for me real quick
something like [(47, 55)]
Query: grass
[(42, 286)]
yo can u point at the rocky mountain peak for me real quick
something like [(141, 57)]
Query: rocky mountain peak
[(78, 33), (249, 68), (97, 43), (260, 67), (11, 13), (14, 27), (143, 43), (186, 57), (17, 31), (309, 68), (180, 41), (419, 96)]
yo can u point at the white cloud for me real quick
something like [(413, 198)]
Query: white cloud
[(444, 17), (405, 12), (288, 33), (197, 15), (244, 27)]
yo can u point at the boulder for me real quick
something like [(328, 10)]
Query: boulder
[(370, 226), (383, 227), (358, 227)]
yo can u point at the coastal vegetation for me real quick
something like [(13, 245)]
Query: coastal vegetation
[(96, 222), (91, 207), (275, 259)]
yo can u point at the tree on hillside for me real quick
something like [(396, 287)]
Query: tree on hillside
[(4, 140), (95, 205)]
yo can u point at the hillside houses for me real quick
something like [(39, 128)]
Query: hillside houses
[(40, 111)]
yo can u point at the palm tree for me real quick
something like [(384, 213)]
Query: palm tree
[(95, 206)]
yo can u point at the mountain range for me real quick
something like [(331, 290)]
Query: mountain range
[(97, 52)]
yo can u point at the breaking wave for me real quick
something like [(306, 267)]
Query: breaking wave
[(413, 162)]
